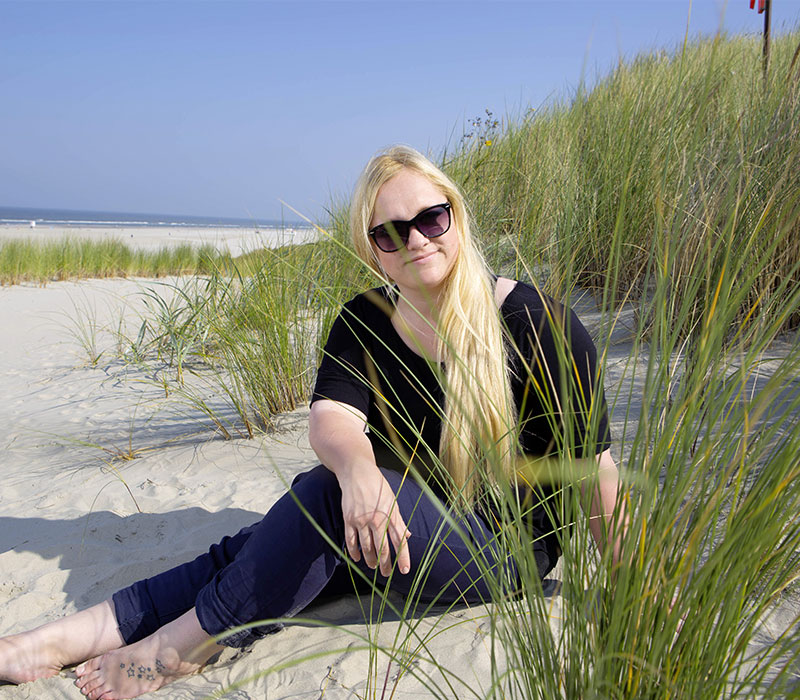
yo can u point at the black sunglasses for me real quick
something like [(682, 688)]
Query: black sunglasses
[(393, 235)]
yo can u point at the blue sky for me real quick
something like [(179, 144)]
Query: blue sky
[(227, 108)]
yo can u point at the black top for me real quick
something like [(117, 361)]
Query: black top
[(552, 366)]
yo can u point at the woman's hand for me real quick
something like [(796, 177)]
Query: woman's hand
[(371, 519), (371, 516)]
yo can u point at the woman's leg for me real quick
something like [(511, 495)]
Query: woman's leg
[(280, 554), (294, 552), (130, 615), (177, 649), (44, 651), (276, 567), (134, 614), (272, 570), (286, 561)]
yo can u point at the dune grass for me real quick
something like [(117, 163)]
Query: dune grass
[(27, 260), (247, 330), (671, 191), (688, 149)]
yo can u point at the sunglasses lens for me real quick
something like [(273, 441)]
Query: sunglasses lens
[(390, 237), (433, 222)]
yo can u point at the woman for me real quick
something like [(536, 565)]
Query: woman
[(378, 402)]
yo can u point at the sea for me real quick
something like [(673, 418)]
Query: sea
[(79, 218)]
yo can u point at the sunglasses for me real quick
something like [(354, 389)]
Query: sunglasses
[(393, 235)]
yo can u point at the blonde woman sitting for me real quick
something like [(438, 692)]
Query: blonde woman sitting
[(432, 388)]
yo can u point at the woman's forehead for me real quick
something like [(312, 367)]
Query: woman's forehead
[(404, 195)]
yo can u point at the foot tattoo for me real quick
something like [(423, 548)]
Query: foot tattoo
[(142, 672)]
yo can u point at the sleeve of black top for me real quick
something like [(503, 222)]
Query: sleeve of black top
[(342, 375), (562, 386)]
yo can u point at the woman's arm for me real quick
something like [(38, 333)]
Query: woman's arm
[(602, 497), (598, 480), (336, 433)]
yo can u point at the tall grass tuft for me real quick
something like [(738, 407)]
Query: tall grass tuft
[(247, 331)]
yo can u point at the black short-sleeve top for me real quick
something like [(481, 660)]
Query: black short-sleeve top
[(552, 367)]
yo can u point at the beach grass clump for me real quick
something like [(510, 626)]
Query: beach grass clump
[(247, 330), (27, 260)]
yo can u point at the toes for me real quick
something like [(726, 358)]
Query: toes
[(83, 678), (102, 694), (96, 691), (88, 666), (89, 683)]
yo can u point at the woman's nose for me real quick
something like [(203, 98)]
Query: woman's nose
[(415, 238)]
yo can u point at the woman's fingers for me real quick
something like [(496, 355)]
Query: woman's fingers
[(395, 529), (351, 542), (382, 549), (368, 547), (400, 535), (375, 547), (373, 524)]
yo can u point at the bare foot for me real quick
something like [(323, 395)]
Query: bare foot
[(176, 650), (44, 651), (28, 656)]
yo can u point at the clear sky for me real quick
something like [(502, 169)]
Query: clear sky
[(227, 108)]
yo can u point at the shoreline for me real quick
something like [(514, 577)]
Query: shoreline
[(236, 241)]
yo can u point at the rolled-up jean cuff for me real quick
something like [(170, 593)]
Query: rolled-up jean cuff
[(133, 610), (216, 620)]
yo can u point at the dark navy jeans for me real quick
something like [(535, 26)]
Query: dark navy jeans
[(275, 568)]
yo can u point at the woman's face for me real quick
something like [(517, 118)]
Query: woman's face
[(424, 263)]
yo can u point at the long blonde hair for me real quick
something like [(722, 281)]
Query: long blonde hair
[(478, 437)]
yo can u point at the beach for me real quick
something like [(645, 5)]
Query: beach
[(106, 480), (233, 239)]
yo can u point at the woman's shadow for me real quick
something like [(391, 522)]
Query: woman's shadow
[(102, 552)]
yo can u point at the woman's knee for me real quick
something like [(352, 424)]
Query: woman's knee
[(317, 493), (319, 481)]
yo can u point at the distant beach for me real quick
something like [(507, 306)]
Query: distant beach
[(152, 231)]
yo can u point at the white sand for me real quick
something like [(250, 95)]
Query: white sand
[(71, 533), (234, 240)]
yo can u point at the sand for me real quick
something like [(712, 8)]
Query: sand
[(78, 521), (77, 524), (234, 240)]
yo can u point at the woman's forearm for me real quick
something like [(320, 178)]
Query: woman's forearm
[(602, 496), (337, 436), (369, 507)]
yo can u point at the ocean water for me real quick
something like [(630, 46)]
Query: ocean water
[(69, 218)]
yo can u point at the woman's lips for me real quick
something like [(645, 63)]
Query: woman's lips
[(422, 258)]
